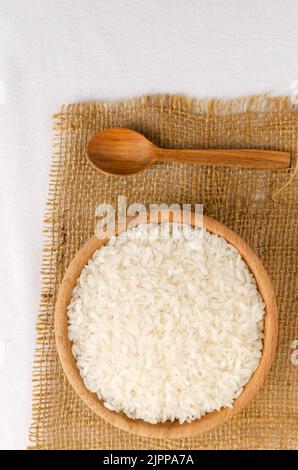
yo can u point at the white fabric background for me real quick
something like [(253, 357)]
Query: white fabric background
[(61, 51)]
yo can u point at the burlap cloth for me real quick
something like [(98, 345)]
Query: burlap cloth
[(241, 199)]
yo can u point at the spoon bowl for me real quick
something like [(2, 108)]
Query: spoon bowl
[(120, 152)]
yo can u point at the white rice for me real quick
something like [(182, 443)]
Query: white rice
[(166, 329)]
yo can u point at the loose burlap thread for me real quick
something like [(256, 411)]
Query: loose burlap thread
[(240, 198)]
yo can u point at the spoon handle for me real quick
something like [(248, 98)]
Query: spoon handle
[(246, 158)]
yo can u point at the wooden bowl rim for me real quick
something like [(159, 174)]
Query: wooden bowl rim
[(168, 429)]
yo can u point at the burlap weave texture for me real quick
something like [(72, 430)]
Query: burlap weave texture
[(241, 199)]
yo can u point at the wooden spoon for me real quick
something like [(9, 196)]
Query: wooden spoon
[(122, 152)]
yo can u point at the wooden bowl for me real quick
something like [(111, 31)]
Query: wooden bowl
[(167, 429)]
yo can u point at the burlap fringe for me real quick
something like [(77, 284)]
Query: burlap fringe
[(258, 103), (50, 249)]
